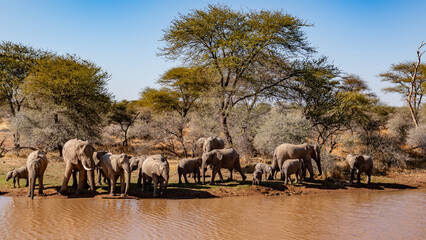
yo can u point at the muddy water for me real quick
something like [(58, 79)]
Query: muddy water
[(368, 215)]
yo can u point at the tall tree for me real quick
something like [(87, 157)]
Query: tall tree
[(122, 114), (16, 61), (182, 87), (71, 97), (409, 79), (232, 42)]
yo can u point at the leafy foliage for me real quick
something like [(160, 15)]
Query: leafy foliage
[(233, 42), (71, 93)]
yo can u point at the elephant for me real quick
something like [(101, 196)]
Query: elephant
[(101, 175), (197, 148), (79, 156), (36, 165), (114, 166), (361, 163), (136, 163), (264, 169), (291, 151), (221, 158), (293, 166), (16, 174), (257, 177), (156, 169), (189, 165), (96, 157), (213, 143)]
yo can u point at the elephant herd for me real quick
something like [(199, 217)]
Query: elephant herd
[(80, 157)]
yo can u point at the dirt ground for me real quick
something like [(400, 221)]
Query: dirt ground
[(396, 180)]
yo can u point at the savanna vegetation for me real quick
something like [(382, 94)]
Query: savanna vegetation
[(250, 77)]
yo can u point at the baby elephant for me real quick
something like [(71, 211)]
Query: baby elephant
[(264, 169), (17, 174), (257, 177), (136, 164), (36, 165), (362, 163), (293, 166), (189, 165)]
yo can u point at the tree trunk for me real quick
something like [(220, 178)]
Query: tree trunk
[(225, 129)]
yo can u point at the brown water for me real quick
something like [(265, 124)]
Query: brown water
[(368, 215)]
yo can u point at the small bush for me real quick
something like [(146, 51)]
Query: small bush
[(399, 124), (417, 137)]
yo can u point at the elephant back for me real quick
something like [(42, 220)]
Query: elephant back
[(152, 163)]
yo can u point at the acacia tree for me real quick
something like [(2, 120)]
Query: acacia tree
[(409, 79), (16, 61), (66, 98), (182, 87), (331, 104), (122, 114), (233, 42)]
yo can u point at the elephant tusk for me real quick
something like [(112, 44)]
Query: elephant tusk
[(86, 168)]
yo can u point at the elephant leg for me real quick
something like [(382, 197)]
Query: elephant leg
[(143, 183), (155, 182), (67, 175), (139, 184), (161, 187), (220, 175), (359, 176), (74, 179), (368, 177), (240, 171), (14, 182), (214, 171), (230, 175), (308, 164), (99, 177), (195, 175), (40, 184), (185, 178), (285, 177), (81, 180), (123, 186), (199, 175), (113, 182)]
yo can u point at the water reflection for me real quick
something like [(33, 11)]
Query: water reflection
[(373, 215)]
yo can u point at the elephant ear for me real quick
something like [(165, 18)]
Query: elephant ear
[(219, 156), (360, 160), (114, 159)]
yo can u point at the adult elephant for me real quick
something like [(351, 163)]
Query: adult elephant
[(197, 148), (78, 156), (361, 163), (302, 151), (136, 164), (213, 143), (156, 169), (221, 158), (114, 166)]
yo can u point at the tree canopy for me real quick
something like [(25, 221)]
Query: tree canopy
[(232, 42)]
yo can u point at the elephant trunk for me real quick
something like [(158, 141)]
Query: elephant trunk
[(318, 161), (203, 171), (127, 174), (91, 178)]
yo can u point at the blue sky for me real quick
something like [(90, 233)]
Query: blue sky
[(360, 37)]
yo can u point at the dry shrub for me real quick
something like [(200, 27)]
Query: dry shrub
[(417, 137), (281, 127)]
